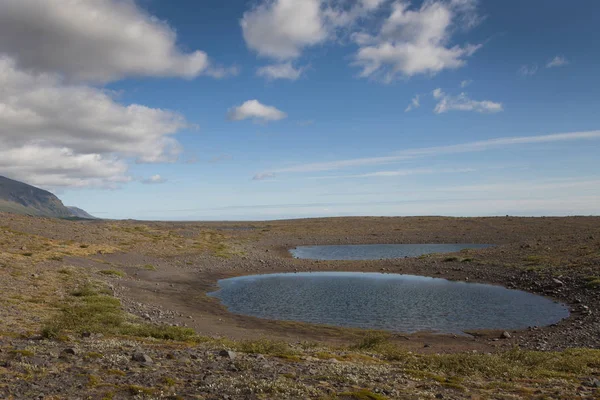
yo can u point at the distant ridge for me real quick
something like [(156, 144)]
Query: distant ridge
[(20, 198), (79, 213)]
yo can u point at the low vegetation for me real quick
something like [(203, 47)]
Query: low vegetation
[(92, 309)]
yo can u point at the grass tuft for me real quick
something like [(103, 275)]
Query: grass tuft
[(91, 309), (371, 341), (112, 272), (593, 281)]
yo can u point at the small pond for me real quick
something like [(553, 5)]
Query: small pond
[(377, 251), (400, 303)]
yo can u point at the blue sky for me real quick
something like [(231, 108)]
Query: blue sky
[(282, 109)]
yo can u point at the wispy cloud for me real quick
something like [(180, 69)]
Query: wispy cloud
[(465, 83), (402, 172), (558, 61), (414, 103), (263, 176), (462, 102), (528, 70), (481, 145), (281, 71)]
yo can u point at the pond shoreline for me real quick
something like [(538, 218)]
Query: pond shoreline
[(182, 290)]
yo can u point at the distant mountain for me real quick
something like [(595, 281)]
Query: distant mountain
[(79, 213), (21, 198)]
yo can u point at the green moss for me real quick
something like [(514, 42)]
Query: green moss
[(169, 382), (112, 272), (23, 353), (593, 281), (512, 364), (371, 341), (91, 310), (162, 332), (136, 390)]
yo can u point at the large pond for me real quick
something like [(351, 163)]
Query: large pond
[(400, 303), (377, 251)]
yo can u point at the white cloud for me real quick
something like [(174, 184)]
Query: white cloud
[(528, 70), (282, 29), (465, 83), (557, 61), (414, 103), (257, 111), (99, 40), (53, 133), (280, 71), (154, 180), (462, 102), (482, 145), (417, 41)]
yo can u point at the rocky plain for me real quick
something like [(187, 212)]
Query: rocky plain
[(119, 309)]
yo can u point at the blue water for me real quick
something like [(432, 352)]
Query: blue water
[(400, 303), (377, 251)]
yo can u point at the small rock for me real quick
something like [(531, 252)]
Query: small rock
[(70, 351), (86, 334), (228, 354), (558, 282), (592, 382), (505, 335), (141, 357)]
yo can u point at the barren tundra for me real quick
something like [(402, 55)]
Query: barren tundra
[(107, 309)]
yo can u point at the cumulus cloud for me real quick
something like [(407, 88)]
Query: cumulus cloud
[(280, 71), (417, 41), (414, 103), (462, 102), (253, 109), (100, 40), (154, 180), (528, 70), (557, 61), (282, 29), (55, 133)]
